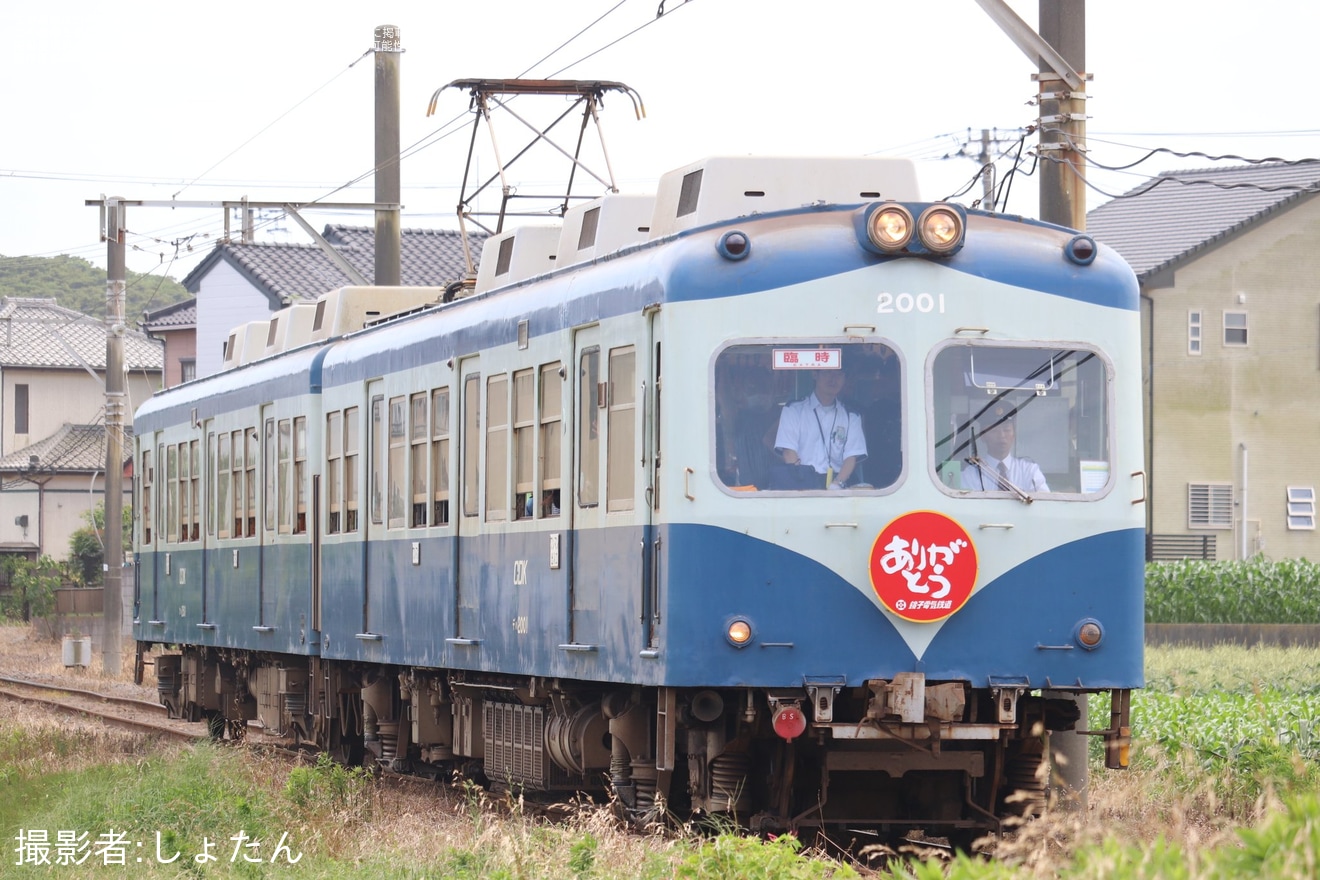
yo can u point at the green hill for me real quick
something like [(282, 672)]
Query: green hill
[(76, 284)]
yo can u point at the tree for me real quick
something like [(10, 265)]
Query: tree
[(32, 586), (87, 545), (76, 284)]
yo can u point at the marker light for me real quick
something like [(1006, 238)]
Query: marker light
[(789, 722), (940, 229), (739, 632), (1089, 634), (890, 228)]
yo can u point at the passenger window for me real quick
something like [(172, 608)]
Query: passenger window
[(807, 415), (621, 455), (1021, 420)]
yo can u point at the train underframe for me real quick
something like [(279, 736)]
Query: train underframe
[(886, 757)]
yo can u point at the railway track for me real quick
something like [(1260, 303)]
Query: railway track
[(122, 712)]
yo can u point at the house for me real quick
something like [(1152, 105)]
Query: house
[(239, 283), (175, 326), (52, 420), (1227, 259)]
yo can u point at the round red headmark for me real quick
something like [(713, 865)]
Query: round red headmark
[(923, 566)]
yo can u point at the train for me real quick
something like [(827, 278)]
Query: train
[(573, 527)]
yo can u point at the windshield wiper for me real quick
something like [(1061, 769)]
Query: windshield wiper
[(1000, 480)]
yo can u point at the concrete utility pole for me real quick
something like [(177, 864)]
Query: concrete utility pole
[(389, 235), (1059, 50), (115, 285)]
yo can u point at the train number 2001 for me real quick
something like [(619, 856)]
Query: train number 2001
[(904, 303)]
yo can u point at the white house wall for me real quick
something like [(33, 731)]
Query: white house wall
[(225, 300)]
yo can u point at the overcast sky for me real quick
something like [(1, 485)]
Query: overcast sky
[(160, 99)]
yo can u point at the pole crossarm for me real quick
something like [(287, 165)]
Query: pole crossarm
[(1031, 43)]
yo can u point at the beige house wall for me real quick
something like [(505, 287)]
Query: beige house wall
[(63, 396), (1240, 415)]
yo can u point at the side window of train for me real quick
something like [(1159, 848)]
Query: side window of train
[(524, 443), (621, 430), (300, 475), (588, 401), (397, 498), (418, 438), (334, 472), (148, 478), (211, 473), (497, 448), (468, 442), (284, 481), (1013, 418), (352, 458), (440, 456), (172, 496), (269, 481), (808, 415), (376, 455), (550, 459)]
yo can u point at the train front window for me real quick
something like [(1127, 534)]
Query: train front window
[(1020, 420), (808, 416)]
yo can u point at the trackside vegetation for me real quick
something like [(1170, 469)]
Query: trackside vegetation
[(1255, 590)]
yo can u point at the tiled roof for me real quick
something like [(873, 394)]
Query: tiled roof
[(71, 448), (39, 333), (176, 316), (1180, 213), (429, 257)]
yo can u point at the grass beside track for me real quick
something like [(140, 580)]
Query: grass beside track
[(1223, 785)]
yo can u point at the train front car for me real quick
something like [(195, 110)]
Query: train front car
[(908, 534)]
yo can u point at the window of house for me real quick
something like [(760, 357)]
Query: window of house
[(1210, 505), (1235, 328), (1301, 508), (21, 409), (187, 369), (1194, 331)]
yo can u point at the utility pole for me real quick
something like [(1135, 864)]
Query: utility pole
[(1059, 51), (115, 285), (389, 236)]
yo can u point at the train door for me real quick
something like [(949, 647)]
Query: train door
[(468, 567), (584, 507), (373, 530)]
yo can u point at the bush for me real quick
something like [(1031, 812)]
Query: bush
[(31, 587)]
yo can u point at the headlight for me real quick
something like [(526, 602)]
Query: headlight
[(940, 229), (890, 228)]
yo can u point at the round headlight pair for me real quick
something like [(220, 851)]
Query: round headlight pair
[(939, 229)]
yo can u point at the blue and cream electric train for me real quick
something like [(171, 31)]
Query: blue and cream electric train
[(573, 529)]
